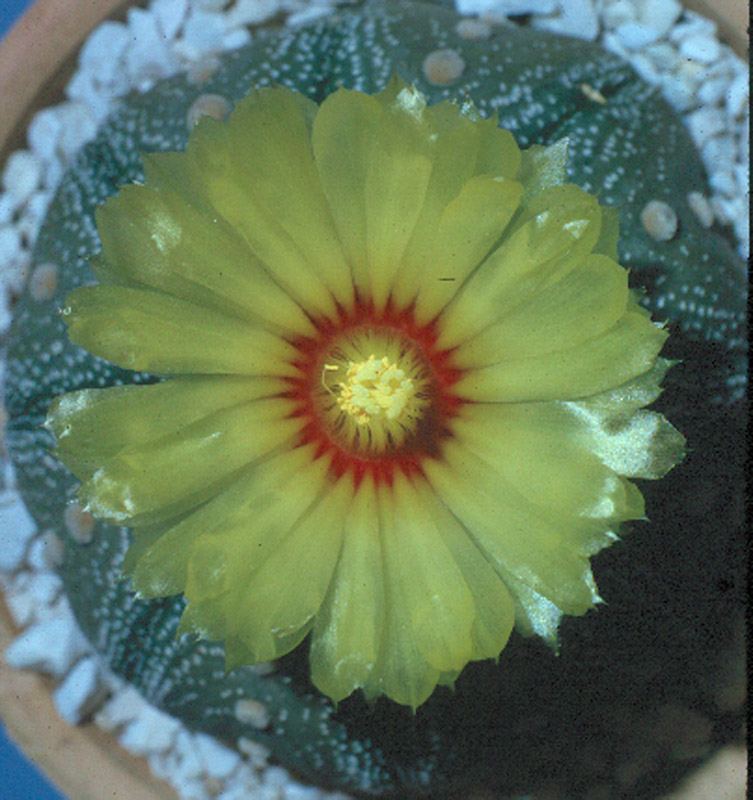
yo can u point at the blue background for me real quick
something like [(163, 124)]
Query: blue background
[(19, 779)]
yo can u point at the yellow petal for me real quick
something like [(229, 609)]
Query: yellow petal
[(348, 630), (374, 164), (238, 528), (523, 541), (288, 588), (403, 673), (579, 306), (426, 580), (494, 617), (148, 482), (549, 239), (623, 352), (94, 424), (159, 240), (468, 228), (541, 450), (257, 171), (154, 332)]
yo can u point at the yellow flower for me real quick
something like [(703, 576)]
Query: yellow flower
[(404, 395)]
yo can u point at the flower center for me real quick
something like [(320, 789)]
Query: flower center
[(375, 390)]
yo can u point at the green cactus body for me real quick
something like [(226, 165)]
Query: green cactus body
[(505, 725)]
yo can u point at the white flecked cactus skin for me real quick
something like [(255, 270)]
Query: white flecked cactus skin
[(667, 608)]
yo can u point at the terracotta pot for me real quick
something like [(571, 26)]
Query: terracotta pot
[(36, 60)]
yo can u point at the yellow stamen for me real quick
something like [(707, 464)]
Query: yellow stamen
[(375, 389)]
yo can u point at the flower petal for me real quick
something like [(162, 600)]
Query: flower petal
[(83, 422), (154, 332), (523, 541), (245, 522), (542, 450), (374, 162), (466, 231), (551, 237), (623, 352), (148, 482), (159, 240), (257, 170), (494, 617), (426, 580), (349, 627), (579, 306), (288, 588)]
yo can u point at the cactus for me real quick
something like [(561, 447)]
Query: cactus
[(511, 725)]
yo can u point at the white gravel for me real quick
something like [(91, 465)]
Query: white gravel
[(675, 50)]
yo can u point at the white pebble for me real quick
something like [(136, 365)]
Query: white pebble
[(81, 691), (252, 712), (701, 207), (151, 732), (22, 175), (78, 128), (53, 550), (659, 16), (712, 91), (51, 646), (204, 30), (190, 764), (704, 124), (443, 67), (615, 14), (44, 132), (576, 18), (101, 52), (678, 91), (120, 709), (170, 15), (506, 8), (16, 531), (663, 55), (239, 37), (718, 152), (295, 791), (276, 776), (147, 58), (742, 177), (701, 47), (7, 209), (256, 753), (251, 12), (737, 96), (645, 68), (218, 761), (308, 14), (723, 182), (659, 220), (635, 35), (692, 24)]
